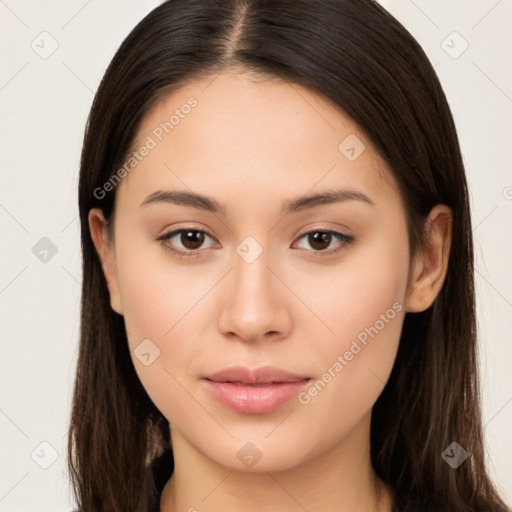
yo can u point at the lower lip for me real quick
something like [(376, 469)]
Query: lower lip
[(255, 399)]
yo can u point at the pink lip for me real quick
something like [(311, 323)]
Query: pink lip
[(254, 391)]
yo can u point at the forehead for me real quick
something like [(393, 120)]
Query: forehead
[(253, 136)]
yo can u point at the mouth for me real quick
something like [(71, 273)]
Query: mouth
[(260, 385), (257, 391), (263, 375)]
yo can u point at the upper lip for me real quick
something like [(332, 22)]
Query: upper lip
[(261, 375)]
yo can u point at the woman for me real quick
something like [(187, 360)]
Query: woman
[(278, 307)]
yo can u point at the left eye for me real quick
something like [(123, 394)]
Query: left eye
[(320, 239), (192, 240)]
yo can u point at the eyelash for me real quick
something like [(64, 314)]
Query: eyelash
[(345, 240)]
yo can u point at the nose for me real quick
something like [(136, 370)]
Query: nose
[(255, 303)]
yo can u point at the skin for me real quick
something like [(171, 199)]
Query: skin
[(251, 145)]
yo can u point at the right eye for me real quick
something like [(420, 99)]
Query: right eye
[(191, 240)]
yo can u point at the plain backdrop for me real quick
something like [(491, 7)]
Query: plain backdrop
[(44, 102)]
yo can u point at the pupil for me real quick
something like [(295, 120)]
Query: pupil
[(192, 239), (320, 238)]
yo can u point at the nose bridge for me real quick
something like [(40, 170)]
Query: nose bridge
[(253, 305)]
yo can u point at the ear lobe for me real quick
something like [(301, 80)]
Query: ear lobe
[(431, 264), (105, 250)]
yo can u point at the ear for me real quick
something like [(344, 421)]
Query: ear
[(431, 264), (105, 249)]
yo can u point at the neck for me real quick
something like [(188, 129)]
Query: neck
[(341, 478)]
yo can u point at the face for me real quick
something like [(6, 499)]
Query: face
[(317, 290)]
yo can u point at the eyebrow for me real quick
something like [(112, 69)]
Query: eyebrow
[(208, 204)]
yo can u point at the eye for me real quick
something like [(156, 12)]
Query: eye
[(322, 239), (192, 239)]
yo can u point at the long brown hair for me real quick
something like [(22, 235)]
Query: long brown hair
[(357, 55)]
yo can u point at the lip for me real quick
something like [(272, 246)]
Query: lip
[(256, 391)]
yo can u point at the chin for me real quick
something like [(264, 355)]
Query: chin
[(258, 456)]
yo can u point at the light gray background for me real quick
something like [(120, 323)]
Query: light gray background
[(44, 103)]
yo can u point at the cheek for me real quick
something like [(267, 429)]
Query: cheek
[(160, 303), (158, 296), (351, 297), (365, 309), (159, 308)]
